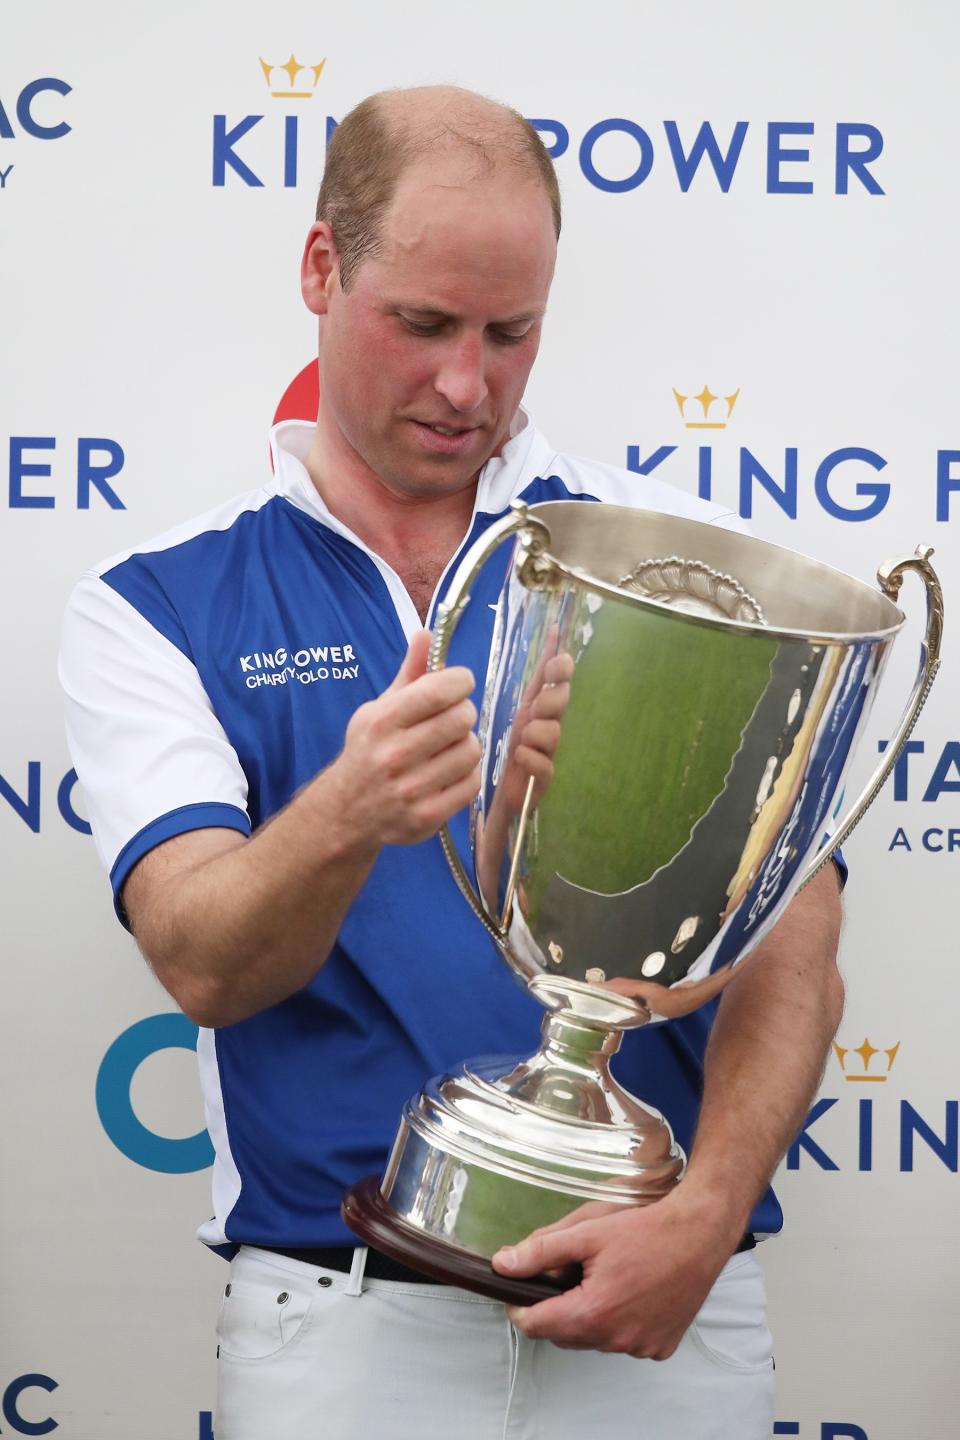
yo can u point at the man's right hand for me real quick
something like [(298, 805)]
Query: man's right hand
[(410, 758), (232, 925)]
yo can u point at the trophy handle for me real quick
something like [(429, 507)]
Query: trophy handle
[(890, 577), (535, 538)]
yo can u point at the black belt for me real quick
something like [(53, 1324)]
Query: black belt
[(335, 1257), (380, 1267)]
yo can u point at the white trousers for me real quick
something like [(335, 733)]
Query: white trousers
[(302, 1358)]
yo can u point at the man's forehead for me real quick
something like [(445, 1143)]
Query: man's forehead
[(460, 285), (454, 188), (456, 240)]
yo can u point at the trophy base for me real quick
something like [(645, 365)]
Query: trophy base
[(375, 1221), (485, 1156)]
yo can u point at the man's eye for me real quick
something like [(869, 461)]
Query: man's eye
[(422, 327), (509, 337)]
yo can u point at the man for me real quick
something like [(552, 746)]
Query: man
[(327, 954)]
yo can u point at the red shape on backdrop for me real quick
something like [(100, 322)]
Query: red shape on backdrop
[(301, 399)]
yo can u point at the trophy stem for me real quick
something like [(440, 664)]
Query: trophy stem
[(570, 1075)]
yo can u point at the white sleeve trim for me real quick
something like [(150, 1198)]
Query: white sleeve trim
[(142, 732)]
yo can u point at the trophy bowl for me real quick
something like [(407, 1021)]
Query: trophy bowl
[(669, 712)]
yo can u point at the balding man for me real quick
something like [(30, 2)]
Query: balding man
[(267, 764)]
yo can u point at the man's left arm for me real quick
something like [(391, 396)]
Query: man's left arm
[(647, 1270)]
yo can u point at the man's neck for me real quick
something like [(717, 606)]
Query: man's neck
[(416, 535)]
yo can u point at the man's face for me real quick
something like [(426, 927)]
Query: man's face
[(424, 359)]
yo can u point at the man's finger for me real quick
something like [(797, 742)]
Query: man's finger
[(562, 1319), (455, 797), (546, 1250), (439, 730), (558, 668), (542, 735), (517, 1315), (551, 702), (451, 766), (414, 662), (429, 695)]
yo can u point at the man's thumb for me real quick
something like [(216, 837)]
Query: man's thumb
[(414, 662)]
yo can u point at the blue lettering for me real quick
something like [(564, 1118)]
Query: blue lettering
[(331, 126), (705, 472), (751, 469), (644, 467), (561, 136), (27, 96), (6, 129), (205, 1429), (865, 1161), (19, 469), (829, 1430), (3, 177), (128, 1133), (223, 153), (911, 1123), (857, 160), (927, 838), (776, 156), (65, 804), (880, 493), (900, 780), (11, 1412), (97, 475), (947, 482), (900, 841), (626, 127), (724, 166), (949, 756), (803, 1141), (290, 133), (29, 809)]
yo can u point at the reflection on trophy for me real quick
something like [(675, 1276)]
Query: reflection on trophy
[(668, 717)]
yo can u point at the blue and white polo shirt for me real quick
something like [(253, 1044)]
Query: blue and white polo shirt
[(211, 673)]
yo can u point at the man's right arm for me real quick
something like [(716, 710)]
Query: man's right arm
[(232, 925)]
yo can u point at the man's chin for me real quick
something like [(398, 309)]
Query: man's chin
[(440, 482), (429, 477)]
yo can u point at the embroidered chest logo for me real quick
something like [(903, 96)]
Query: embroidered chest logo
[(305, 666)]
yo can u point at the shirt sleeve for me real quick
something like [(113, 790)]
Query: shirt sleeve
[(152, 758)]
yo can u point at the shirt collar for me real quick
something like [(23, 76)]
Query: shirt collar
[(525, 455)]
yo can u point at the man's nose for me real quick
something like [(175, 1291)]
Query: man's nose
[(461, 378)]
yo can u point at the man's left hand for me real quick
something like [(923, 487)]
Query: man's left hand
[(646, 1272)]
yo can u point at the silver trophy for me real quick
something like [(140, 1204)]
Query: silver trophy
[(668, 716)]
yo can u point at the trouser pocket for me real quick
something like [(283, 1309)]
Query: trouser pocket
[(263, 1312), (731, 1327)]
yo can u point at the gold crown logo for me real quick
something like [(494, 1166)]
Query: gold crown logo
[(291, 69), (866, 1052), (705, 400)]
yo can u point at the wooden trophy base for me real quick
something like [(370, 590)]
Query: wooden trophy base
[(370, 1216)]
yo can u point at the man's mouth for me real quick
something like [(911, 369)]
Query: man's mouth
[(437, 438)]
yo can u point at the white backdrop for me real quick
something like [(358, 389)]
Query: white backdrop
[(151, 321)]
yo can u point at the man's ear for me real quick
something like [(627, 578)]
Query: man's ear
[(320, 268)]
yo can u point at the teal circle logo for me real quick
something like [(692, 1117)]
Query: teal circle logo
[(115, 1108)]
